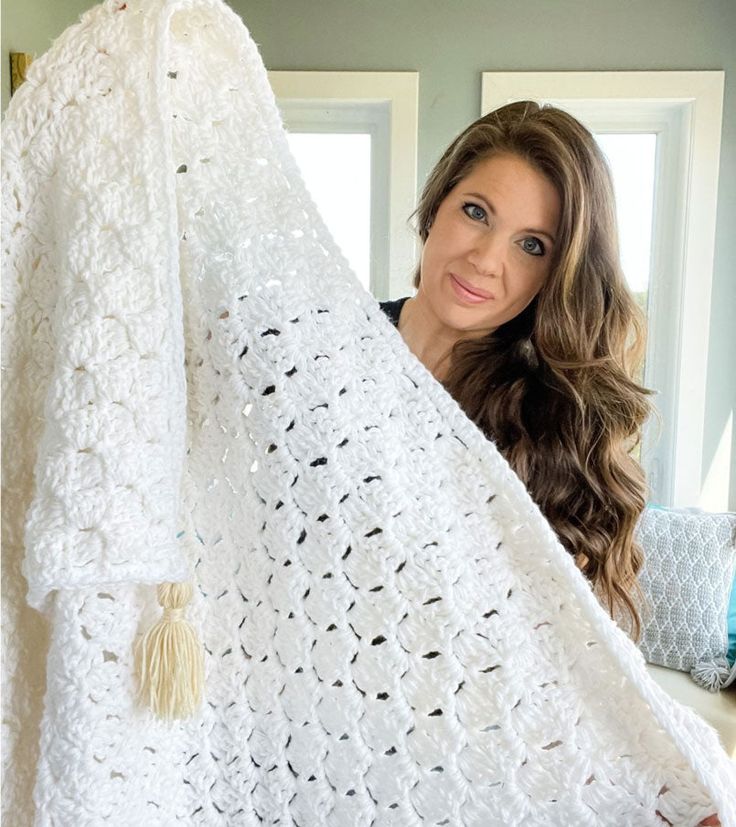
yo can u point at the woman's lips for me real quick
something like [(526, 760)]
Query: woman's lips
[(467, 292)]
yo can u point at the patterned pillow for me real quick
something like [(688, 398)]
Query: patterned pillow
[(687, 579)]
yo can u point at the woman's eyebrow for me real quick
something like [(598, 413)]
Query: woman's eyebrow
[(492, 210)]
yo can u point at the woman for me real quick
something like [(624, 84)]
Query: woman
[(523, 313)]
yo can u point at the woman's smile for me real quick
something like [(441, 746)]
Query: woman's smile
[(467, 292)]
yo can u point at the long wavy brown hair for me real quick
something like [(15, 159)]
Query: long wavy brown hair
[(554, 388)]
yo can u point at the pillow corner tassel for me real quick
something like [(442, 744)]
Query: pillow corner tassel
[(169, 658), (714, 674)]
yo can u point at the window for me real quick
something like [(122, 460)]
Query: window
[(337, 171), (354, 135), (633, 158), (676, 118)]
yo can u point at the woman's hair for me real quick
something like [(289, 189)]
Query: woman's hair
[(554, 387)]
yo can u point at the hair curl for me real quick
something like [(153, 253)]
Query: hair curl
[(554, 387)]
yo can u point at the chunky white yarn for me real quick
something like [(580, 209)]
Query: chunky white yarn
[(393, 634)]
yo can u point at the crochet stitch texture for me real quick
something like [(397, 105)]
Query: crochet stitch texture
[(195, 381)]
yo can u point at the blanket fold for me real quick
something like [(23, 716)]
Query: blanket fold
[(94, 252)]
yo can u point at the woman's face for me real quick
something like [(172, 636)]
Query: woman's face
[(490, 247)]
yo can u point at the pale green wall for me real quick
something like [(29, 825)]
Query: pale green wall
[(30, 26), (450, 42)]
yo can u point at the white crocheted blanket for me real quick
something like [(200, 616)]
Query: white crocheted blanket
[(393, 635)]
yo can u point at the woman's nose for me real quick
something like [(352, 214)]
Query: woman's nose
[(488, 255)]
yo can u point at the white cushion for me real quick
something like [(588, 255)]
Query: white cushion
[(686, 578)]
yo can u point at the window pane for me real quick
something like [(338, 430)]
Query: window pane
[(632, 160), (337, 170)]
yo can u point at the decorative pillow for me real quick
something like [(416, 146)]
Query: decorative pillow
[(687, 580)]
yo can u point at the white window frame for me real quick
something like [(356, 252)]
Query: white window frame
[(386, 105), (685, 110)]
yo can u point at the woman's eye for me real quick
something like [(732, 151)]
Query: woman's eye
[(475, 212), (533, 246)]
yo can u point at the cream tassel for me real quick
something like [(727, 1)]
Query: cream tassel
[(169, 658)]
